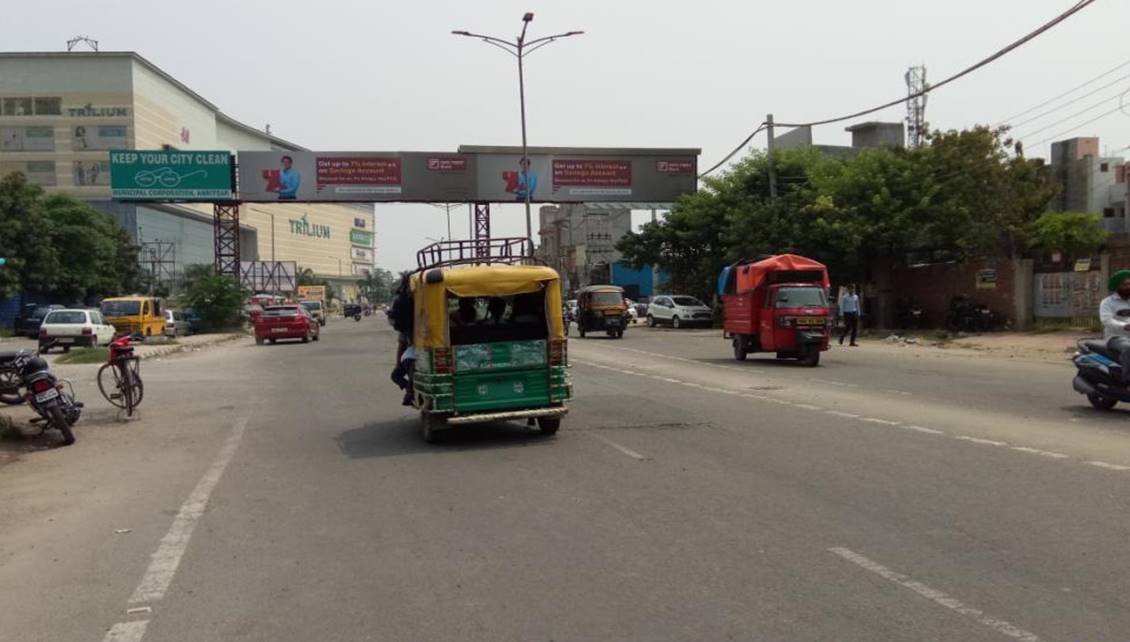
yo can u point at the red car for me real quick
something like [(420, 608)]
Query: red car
[(285, 322)]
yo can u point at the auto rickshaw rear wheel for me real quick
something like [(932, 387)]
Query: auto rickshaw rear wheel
[(433, 424), (549, 425), (810, 359)]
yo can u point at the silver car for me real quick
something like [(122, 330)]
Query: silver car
[(678, 311)]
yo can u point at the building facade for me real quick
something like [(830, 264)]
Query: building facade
[(1090, 182), (61, 113)]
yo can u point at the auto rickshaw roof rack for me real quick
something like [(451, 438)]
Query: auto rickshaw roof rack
[(512, 250)]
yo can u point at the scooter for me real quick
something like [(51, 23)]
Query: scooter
[(1099, 375)]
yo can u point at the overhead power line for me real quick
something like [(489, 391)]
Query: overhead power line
[(1067, 118), (1079, 126), (737, 149), (1070, 102), (1076, 8), (1066, 93)]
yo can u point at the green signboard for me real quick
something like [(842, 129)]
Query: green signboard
[(171, 175), (359, 237)]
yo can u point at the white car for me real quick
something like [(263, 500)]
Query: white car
[(678, 311), (74, 327)]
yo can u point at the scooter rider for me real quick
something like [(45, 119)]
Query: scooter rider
[(1114, 313)]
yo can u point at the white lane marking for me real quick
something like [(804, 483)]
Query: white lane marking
[(938, 597), (1103, 464), (126, 631), (876, 420), (978, 440), (1042, 453), (834, 383), (166, 559), (627, 451), (848, 415), (928, 431)]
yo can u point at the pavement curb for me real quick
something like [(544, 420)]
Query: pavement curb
[(190, 347)]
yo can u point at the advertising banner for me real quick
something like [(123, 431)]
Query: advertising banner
[(268, 276), (170, 175), (366, 177), (362, 254), (567, 177)]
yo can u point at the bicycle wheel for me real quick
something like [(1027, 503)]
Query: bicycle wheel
[(110, 384), (133, 367)]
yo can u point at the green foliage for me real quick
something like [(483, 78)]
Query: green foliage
[(961, 195), (377, 287), (217, 299), (1073, 233), (33, 263), (61, 247)]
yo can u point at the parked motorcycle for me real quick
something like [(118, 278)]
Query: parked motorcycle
[(52, 398), (967, 316), (1099, 374)]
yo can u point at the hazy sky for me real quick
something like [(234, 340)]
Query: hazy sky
[(380, 75)]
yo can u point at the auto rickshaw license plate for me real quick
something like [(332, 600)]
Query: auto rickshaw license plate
[(810, 321)]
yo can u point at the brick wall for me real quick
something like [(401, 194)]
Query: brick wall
[(933, 286)]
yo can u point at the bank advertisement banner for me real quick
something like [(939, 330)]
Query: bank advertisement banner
[(366, 177), (591, 178), (168, 175)]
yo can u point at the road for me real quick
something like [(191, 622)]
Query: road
[(282, 493)]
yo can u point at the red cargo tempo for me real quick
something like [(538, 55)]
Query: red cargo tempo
[(777, 304), (285, 322)]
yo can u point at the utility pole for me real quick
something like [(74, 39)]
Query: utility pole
[(772, 169)]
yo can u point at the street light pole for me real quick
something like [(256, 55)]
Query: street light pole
[(524, 164), (520, 49)]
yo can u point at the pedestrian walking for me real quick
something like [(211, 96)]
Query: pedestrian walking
[(849, 311)]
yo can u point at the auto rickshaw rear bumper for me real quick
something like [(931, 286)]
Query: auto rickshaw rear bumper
[(484, 417)]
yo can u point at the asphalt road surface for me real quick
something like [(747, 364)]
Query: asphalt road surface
[(282, 493)]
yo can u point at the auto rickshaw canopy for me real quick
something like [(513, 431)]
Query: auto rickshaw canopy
[(431, 287), (745, 276)]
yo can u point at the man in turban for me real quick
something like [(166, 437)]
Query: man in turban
[(1114, 312)]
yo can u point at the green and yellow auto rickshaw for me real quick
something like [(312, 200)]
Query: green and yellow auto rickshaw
[(489, 337)]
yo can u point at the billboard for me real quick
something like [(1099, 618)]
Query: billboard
[(366, 177), (169, 175), (361, 237), (268, 276), (586, 176)]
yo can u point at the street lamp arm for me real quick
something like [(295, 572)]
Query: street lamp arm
[(554, 37), (485, 38), (508, 50)]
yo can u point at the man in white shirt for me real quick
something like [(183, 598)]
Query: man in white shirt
[(1114, 312), (849, 310)]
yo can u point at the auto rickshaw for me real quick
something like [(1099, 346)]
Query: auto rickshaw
[(489, 337), (602, 307)]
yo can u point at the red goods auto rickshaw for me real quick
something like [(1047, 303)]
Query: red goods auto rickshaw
[(777, 304)]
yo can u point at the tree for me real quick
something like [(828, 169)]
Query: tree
[(1075, 234), (377, 285), (32, 262), (961, 195), (216, 298)]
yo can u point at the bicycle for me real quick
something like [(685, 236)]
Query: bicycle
[(124, 367)]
